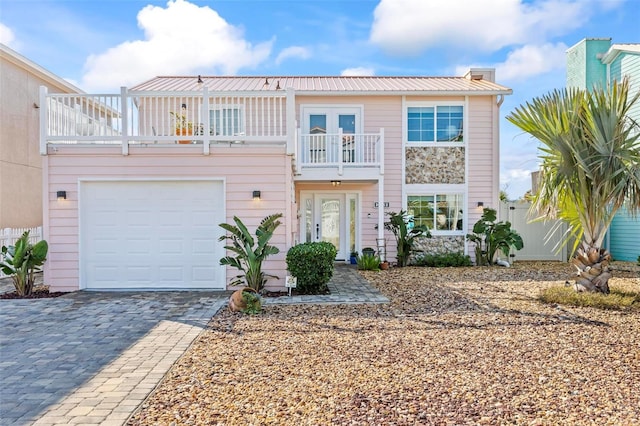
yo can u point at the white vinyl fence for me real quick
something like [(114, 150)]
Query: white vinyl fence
[(8, 236), (534, 234)]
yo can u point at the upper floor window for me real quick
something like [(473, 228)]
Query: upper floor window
[(439, 212), (227, 121), (439, 123)]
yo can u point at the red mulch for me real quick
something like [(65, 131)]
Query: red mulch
[(38, 293)]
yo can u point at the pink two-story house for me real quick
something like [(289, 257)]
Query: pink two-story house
[(133, 201)]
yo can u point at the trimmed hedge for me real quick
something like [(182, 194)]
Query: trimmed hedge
[(312, 264)]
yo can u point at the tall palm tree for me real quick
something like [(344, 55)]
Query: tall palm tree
[(590, 167)]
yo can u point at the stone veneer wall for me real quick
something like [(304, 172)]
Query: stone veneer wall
[(434, 165), (440, 244)]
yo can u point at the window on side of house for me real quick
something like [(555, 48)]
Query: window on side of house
[(438, 123), (227, 121), (441, 213)]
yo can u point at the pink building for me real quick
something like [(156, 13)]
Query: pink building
[(138, 182)]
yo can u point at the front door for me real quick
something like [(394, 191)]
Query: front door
[(331, 217)]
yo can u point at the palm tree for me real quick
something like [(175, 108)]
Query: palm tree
[(590, 167)]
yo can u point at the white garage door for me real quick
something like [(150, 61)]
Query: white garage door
[(151, 234)]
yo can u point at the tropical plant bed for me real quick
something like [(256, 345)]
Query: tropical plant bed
[(41, 292), (467, 345)]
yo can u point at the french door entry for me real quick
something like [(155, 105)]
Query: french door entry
[(331, 217)]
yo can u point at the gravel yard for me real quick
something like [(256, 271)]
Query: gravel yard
[(456, 346)]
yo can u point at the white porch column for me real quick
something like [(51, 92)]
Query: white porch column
[(381, 207)]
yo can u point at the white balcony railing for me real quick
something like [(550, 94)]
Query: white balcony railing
[(164, 118), (340, 150)]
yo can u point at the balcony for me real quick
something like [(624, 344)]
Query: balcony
[(324, 156), (167, 118), (205, 120)]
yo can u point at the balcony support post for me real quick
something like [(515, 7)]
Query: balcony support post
[(206, 122), (125, 120)]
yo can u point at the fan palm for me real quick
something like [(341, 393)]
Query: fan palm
[(590, 167)]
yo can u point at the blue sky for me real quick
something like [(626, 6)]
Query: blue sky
[(102, 45)]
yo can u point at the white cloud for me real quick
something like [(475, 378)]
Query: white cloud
[(531, 60), (6, 35), (408, 27), (358, 71), (526, 62), (293, 52), (180, 39)]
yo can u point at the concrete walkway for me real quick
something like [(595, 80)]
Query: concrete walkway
[(93, 357)]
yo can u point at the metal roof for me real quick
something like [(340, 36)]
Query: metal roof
[(614, 50), (332, 85)]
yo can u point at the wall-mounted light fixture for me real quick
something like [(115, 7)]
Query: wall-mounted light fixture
[(62, 195), (480, 205), (336, 182), (256, 195), (200, 80)]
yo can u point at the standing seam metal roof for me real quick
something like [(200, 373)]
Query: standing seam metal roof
[(324, 84)]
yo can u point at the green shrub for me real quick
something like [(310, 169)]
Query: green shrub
[(312, 264), (22, 261), (490, 236), (405, 237), (616, 300), (443, 260), (250, 252), (368, 262)]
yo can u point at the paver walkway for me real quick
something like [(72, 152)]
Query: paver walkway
[(93, 357)]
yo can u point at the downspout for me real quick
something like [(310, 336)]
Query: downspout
[(496, 153)]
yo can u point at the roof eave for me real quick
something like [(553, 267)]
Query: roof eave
[(405, 93), (30, 66)]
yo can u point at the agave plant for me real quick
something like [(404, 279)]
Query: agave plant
[(22, 261), (250, 252)]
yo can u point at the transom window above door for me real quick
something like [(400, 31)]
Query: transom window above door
[(437, 123)]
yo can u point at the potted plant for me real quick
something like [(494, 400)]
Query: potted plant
[(246, 300), (353, 257), (182, 126)]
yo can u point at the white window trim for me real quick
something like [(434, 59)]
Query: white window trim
[(405, 121), (434, 190), (330, 110), (222, 107)]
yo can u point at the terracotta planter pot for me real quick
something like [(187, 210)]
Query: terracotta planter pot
[(236, 302), (185, 131), (384, 265)]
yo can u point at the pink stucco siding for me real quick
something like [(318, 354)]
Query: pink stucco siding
[(268, 173)]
